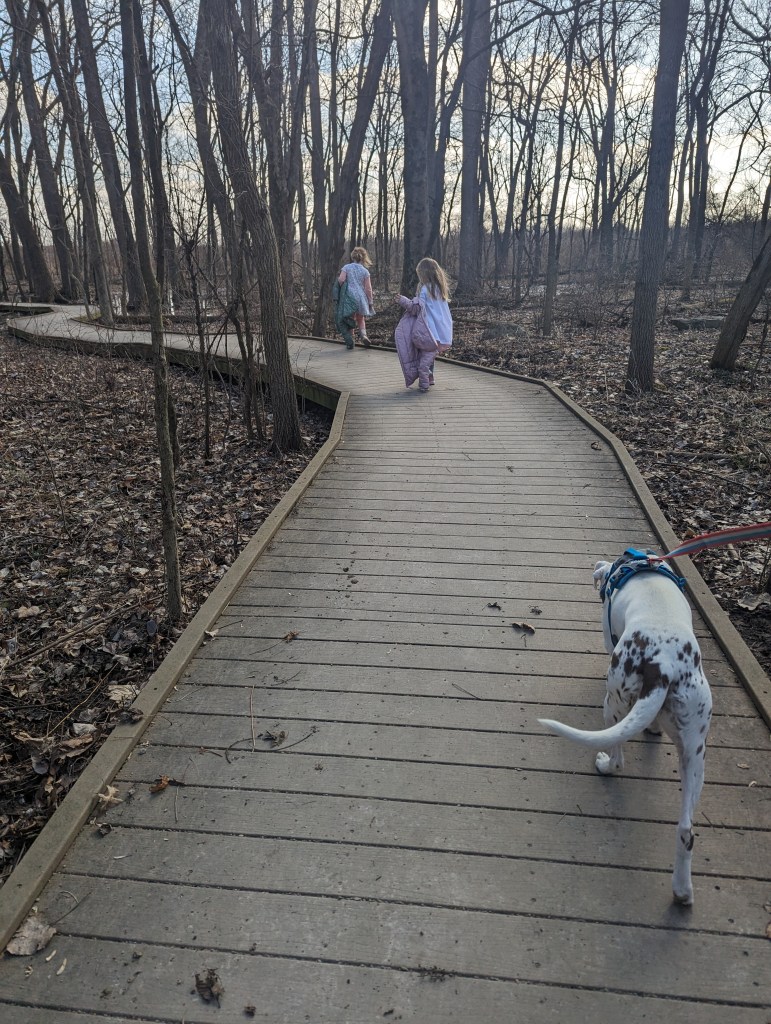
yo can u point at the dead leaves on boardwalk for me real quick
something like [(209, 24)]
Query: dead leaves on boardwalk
[(82, 622), (208, 986)]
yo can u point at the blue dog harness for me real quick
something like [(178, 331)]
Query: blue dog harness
[(624, 568)]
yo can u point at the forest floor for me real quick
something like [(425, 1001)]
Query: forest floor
[(82, 623)]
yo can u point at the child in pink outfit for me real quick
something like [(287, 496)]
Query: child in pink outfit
[(426, 327)]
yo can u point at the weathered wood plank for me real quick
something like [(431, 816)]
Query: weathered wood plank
[(625, 796), (729, 698), (406, 876), (568, 837), (427, 633), (395, 656), (466, 941), (162, 987), (649, 756), (552, 518), (520, 538), (427, 712)]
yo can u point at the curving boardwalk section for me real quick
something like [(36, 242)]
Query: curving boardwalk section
[(417, 848)]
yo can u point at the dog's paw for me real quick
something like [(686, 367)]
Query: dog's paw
[(683, 899), (603, 764)]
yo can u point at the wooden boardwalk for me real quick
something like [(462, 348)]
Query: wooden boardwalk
[(418, 848)]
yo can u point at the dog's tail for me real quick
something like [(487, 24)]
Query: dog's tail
[(640, 717)]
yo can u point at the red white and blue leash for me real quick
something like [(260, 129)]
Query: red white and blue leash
[(720, 538)]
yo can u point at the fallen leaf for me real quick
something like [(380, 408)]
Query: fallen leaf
[(753, 601), (122, 693), (742, 765), (290, 636), (162, 782), (63, 965), (209, 987), (27, 611), (109, 798), (34, 934), (768, 930), (525, 627), (494, 604)]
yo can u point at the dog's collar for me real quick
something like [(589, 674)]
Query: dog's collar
[(624, 568)]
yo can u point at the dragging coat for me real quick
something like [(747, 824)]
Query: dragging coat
[(415, 344), (345, 307)]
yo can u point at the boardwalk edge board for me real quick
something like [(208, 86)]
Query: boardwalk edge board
[(44, 855)]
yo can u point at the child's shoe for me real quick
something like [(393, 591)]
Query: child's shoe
[(431, 380)]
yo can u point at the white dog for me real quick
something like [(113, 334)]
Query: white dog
[(655, 676)]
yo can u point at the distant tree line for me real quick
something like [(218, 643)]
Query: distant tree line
[(271, 135)]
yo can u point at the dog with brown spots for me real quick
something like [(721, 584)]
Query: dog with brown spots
[(655, 681)]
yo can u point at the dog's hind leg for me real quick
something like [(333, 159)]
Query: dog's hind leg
[(692, 780), (615, 708)]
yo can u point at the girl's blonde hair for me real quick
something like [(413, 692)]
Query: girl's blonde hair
[(360, 255), (434, 278)]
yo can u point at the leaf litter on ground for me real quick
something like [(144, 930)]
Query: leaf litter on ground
[(82, 618)]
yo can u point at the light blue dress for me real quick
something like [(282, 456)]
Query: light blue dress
[(356, 274), (438, 316)]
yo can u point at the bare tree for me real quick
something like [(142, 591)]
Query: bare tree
[(105, 143), (24, 22), (653, 233), (552, 267), (476, 52), (254, 210), (735, 325), (153, 290)]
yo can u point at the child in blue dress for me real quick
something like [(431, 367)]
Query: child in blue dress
[(360, 287)]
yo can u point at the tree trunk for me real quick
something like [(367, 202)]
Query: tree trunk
[(40, 280), (476, 49), (653, 232), (330, 233), (84, 168), (105, 144), (552, 265), (409, 18), (160, 368), (735, 325), (24, 24), (254, 209)]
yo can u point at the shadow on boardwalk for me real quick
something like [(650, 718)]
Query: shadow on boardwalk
[(415, 848)]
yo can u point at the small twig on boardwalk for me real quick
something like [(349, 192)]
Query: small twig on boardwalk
[(278, 750), (457, 687), (251, 714), (181, 783), (75, 905), (271, 750)]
